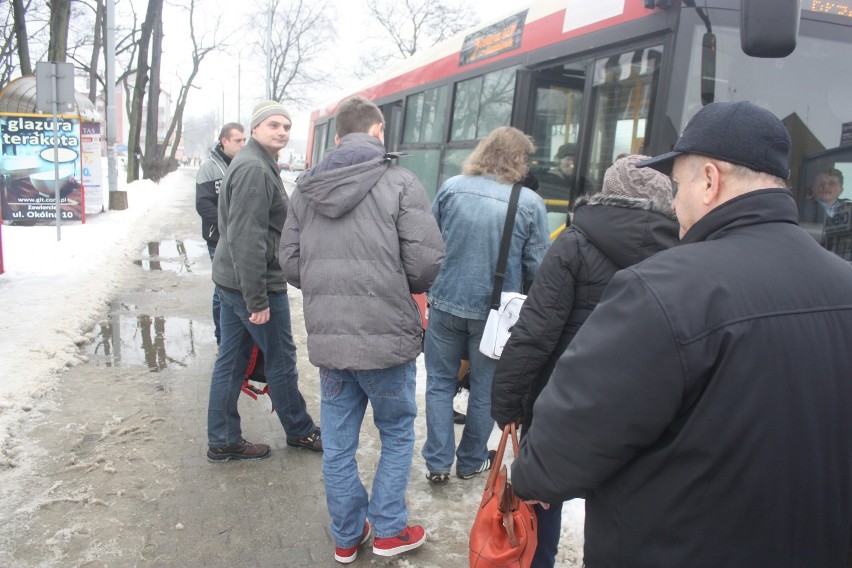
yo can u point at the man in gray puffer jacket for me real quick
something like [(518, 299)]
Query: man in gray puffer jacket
[(359, 239)]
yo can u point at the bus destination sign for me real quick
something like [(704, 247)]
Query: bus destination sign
[(839, 7), (497, 38)]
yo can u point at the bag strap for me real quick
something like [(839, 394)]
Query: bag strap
[(502, 258), (508, 430)]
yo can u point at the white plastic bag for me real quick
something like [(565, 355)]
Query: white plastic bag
[(498, 327)]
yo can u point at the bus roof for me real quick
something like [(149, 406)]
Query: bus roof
[(529, 27)]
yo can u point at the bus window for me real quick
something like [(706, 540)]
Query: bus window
[(320, 132), (554, 124), (332, 130), (624, 86), (482, 104), (424, 163), (424, 116)]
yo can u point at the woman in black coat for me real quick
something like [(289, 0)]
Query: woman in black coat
[(628, 221)]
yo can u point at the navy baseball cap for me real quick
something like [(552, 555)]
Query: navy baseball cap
[(740, 133)]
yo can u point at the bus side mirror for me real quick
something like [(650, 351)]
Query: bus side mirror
[(769, 28)]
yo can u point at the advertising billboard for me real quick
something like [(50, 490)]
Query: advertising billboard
[(28, 163)]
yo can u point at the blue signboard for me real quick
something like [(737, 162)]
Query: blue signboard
[(28, 168)]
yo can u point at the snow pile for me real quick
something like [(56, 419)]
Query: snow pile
[(52, 292)]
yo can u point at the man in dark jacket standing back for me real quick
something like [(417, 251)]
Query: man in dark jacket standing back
[(703, 408), (232, 138), (359, 239), (255, 308)]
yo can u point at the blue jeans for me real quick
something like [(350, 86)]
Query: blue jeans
[(449, 339), (279, 351), (344, 401), (217, 303), (549, 529)]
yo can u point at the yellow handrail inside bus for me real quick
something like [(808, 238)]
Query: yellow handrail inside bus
[(555, 233)]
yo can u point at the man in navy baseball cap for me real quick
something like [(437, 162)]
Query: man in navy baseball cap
[(740, 133), (719, 434), (727, 149)]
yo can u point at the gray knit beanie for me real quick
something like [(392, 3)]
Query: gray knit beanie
[(624, 179), (265, 109)]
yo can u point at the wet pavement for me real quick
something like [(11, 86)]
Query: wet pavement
[(122, 477)]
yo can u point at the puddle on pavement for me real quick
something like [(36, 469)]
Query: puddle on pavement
[(141, 340), (174, 255)]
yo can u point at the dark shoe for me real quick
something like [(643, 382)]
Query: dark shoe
[(243, 451), (486, 465), (347, 555), (409, 539), (312, 441), (438, 477), (458, 417)]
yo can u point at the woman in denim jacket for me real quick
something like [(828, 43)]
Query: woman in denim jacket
[(471, 210)]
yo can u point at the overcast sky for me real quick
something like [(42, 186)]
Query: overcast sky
[(217, 80)]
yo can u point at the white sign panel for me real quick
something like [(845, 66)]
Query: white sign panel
[(581, 13)]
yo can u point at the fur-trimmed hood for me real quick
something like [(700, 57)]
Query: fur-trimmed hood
[(655, 205), (626, 229)]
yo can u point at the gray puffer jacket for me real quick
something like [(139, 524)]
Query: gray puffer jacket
[(359, 239)]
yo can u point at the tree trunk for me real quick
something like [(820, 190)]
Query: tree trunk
[(134, 153), (21, 37), (96, 51), (152, 164), (60, 16)]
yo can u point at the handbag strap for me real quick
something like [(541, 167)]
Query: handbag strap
[(502, 258), (508, 430)]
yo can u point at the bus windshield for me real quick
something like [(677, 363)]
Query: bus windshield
[(808, 90)]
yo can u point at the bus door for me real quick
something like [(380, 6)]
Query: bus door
[(552, 117), (622, 99)]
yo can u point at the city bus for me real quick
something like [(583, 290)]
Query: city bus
[(604, 78)]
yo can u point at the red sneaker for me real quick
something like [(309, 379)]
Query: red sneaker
[(409, 539), (347, 555)]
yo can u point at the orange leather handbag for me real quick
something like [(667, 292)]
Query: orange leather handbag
[(504, 531)]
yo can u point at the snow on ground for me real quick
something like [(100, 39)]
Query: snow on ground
[(51, 292)]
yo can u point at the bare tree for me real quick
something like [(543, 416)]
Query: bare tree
[(151, 165), (134, 153), (203, 43), (300, 32), (60, 18), (23, 34), (20, 34), (412, 25)]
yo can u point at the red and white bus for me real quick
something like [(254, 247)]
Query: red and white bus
[(613, 77)]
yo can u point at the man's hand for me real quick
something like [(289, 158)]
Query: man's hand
[(260, 318), (519, 421)]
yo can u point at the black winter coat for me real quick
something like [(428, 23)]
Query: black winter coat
[(703, 408), (606, 235)]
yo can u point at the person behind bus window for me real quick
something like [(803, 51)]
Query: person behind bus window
[(471, 211), (824, 199), (703, 408), (359, 240), (555, 183), (628, 221)]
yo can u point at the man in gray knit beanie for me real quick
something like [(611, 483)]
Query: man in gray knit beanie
[(624, 179), (265, 109), (255, 307)]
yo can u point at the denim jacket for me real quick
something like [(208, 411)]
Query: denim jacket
[(471, 211)]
